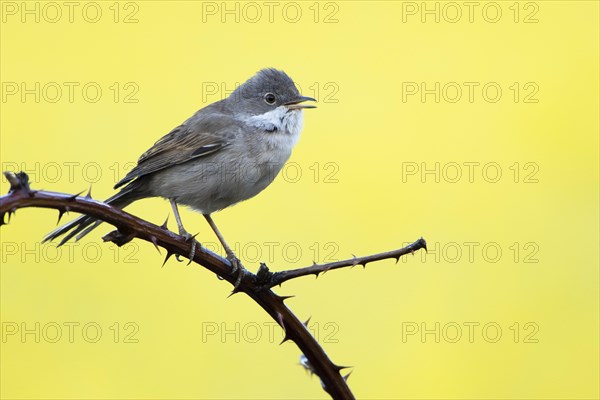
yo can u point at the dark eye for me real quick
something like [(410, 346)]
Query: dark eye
[(270, 98)]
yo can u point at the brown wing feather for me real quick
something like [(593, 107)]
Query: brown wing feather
[(197, 137)]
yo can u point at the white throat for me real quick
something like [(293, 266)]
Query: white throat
[(279, 120)]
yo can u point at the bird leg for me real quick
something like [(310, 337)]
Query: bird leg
[(188, 237), (235, 262)]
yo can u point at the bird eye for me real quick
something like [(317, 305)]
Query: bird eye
[(270, 98)]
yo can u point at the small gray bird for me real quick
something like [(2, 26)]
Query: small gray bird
[(227, 152)]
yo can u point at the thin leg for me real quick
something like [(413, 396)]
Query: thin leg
[(235, 262), (218, 233), (182, 230)]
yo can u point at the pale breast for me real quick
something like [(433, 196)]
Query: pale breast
[(236, 173)]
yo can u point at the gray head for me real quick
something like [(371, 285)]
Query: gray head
[(267, 90)]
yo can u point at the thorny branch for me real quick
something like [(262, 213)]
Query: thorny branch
[(277, 278), (256, 286)]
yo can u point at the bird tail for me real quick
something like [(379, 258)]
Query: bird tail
[(85, 224)]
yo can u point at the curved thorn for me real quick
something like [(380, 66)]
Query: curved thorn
[(164, 225), (155, 243), (284, 298), (61, 212), (72, 198), (169, 254), (285, 339), (340, 367)]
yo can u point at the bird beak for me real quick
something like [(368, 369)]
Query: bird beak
[(296, 104)]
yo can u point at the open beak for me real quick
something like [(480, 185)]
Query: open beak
[(297, 103)]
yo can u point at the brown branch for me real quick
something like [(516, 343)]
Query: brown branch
[(256, 286), (277, 278)]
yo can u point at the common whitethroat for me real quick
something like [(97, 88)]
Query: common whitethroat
[(227, 152)]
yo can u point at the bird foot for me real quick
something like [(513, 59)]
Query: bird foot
[(237, 268), (192, 239)]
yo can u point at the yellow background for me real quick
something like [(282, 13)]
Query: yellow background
[(368, 134)]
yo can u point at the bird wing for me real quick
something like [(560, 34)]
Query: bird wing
[(197, 137)]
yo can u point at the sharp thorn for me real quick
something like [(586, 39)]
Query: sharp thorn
[(285, 339), (284, 298), (340, 367), (279, 319), (61, 212), (89, 193), (164, 225), (178, 258), (155, 243), (305, 323), (346, 376), (2, 219), (72, 198), (169, 254)]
